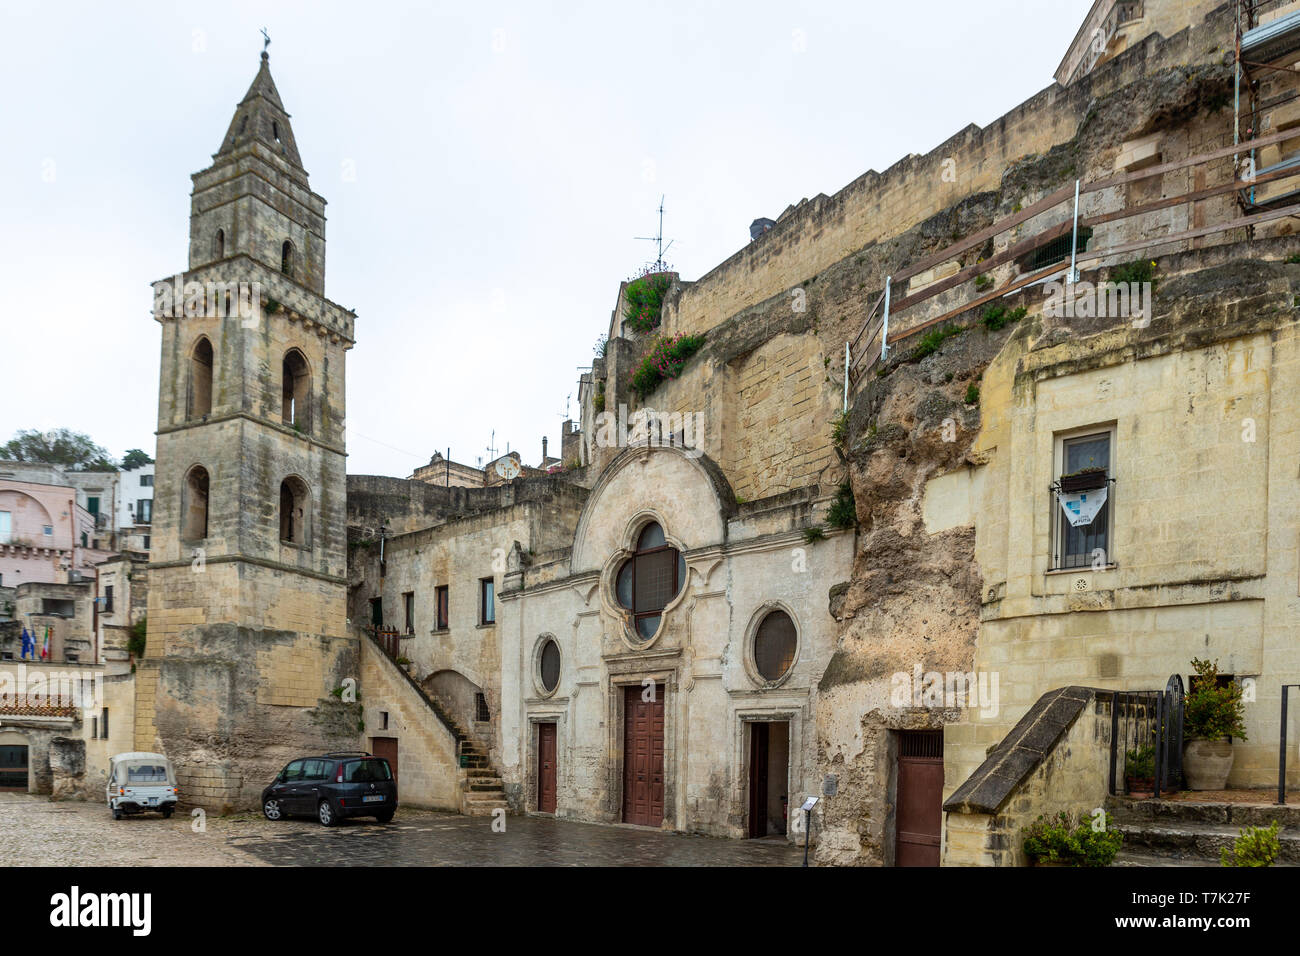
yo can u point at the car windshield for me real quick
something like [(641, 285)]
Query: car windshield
[(146, 773), (366, 771)]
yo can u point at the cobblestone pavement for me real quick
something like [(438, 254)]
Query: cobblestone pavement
[(36, 832)]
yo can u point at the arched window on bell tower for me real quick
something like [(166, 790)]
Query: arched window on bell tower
[(194, 505), (199, 395), (295, 512), (219, 245), (286, 258), (296, 391)]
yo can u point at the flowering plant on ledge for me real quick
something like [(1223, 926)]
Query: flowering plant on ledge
[(645, 298), (665, 360)]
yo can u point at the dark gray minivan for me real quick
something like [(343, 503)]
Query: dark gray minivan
[(333, 787)]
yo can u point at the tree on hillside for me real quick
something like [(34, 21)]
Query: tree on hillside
[(134, 458), (59, 446)]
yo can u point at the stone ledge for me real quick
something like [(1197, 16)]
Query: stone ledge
[(1021, 751)]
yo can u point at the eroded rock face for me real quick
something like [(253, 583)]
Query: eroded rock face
[(68, 769), (914, 597)]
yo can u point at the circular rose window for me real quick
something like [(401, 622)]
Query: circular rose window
[(649, 580), (774, 646)]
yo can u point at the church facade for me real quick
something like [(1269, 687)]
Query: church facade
[(699, 628)]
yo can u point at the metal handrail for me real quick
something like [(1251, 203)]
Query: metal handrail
[(1056, 198), (1281, 750)]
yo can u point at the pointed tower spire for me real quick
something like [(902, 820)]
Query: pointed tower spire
[(261, 118)]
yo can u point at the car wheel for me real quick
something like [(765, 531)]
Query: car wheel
[(384, 817), (117, 814), (167, 812), (271, 810), (325, 813)]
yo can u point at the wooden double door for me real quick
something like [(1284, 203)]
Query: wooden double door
[(643, 756)]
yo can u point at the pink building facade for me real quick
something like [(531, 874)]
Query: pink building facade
[(45, 536)]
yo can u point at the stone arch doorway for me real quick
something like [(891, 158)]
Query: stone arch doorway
[(465, 700), (15, 762)]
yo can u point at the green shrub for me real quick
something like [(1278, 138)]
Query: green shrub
[(665, 360), (813, 535), (996, 316), (982, 282), (645, 298), (1139, 270), (1061, 840), (1293, 259), (136, 642), (931, 341), (843, 512), (840, 428), (972, 393), (1256, 846), (1140, 763), (1211, 712)]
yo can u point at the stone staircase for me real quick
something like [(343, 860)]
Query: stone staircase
[(1192, 833), (482, 790)]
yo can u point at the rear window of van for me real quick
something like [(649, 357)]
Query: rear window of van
[(366, 771)]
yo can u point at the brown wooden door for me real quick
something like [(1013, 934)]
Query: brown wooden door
[(386, 747), (643, 757), (758, 744), (919, 811), (546, 768)]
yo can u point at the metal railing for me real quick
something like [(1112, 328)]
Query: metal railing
[(390, 639), (875, 337), (1148, 718), (1281, 750)]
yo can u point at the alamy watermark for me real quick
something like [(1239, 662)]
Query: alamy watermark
[(1127, 300), (213, 300), (32, 687), (645, 426), (951, 689)]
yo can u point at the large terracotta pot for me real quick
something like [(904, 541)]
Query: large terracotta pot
[(1207, 763)]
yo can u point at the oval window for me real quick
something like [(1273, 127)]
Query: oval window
[(650, 579), (774, 646), (550, 666)]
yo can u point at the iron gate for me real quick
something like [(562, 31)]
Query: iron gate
[(1148, 718)]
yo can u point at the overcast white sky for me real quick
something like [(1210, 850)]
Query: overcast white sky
[(505, 156)]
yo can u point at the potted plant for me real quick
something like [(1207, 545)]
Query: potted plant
[(1212, 716), (1085, 479), (1140, 772), (1063, 842)]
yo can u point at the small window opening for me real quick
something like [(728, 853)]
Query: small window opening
[(196, 504)]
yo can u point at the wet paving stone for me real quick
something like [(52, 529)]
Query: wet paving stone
[(34, 831)]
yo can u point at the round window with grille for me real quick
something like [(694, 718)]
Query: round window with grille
[(648, 581), (774, 646), (550, 666)]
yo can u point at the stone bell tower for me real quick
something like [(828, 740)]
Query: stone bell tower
[(247, 638)]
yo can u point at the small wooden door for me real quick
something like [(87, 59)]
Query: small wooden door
[(386, 747), (643, 757), (758, 748), (919, 813), (546, 768)]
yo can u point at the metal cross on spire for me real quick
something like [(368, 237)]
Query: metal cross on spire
[(266, 39)]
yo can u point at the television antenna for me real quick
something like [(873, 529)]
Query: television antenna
[(658, 240)]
